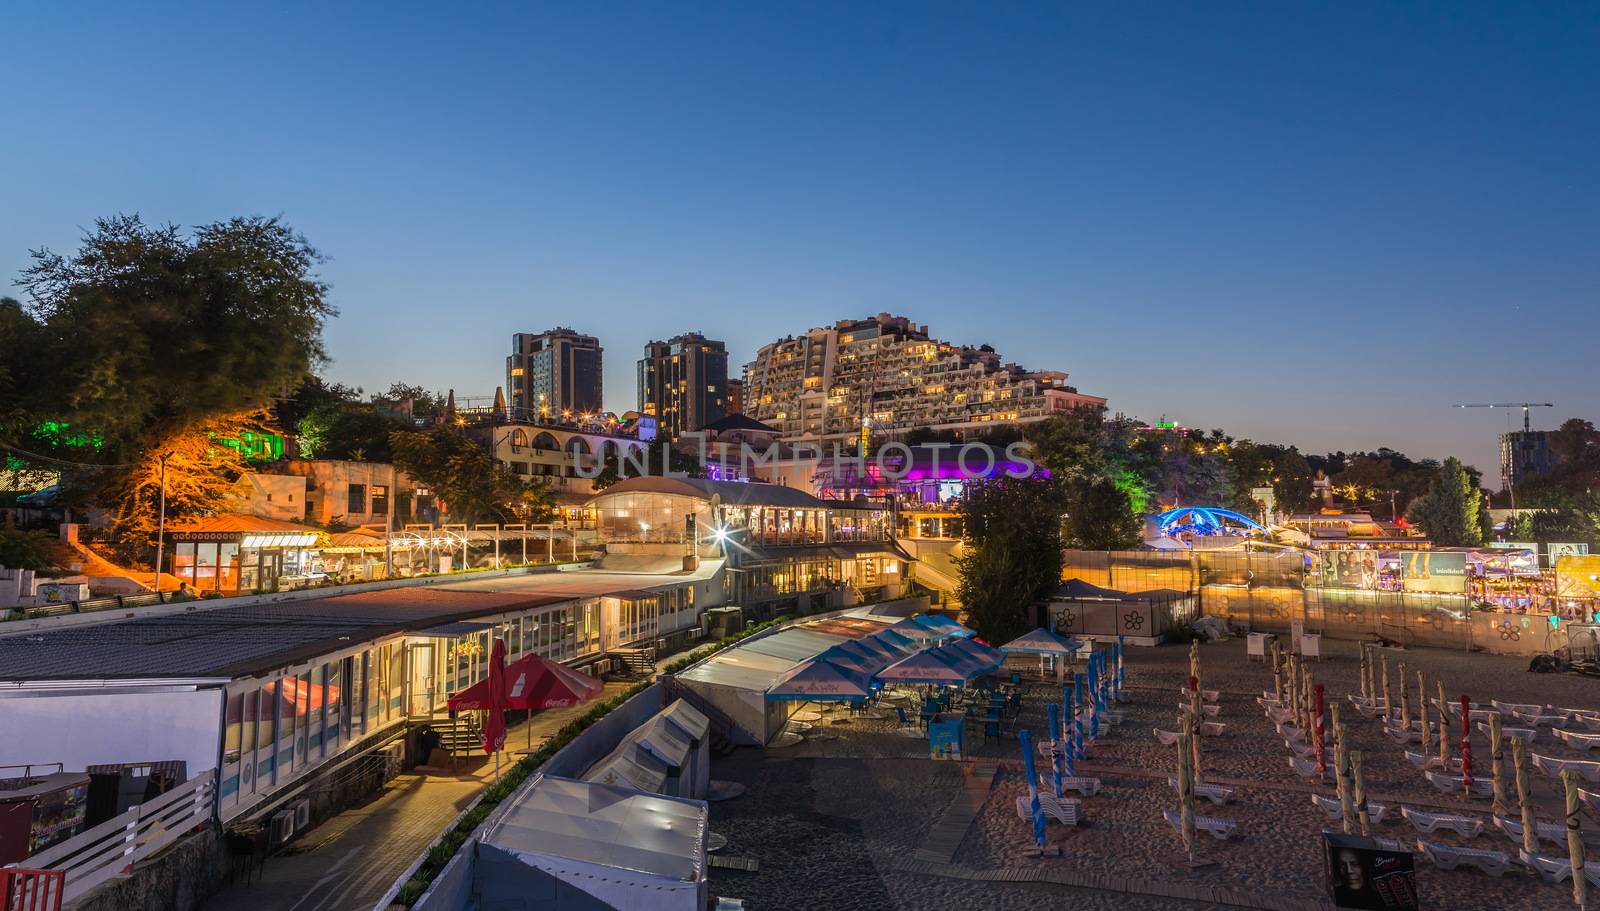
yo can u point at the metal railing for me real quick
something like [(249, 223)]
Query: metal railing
[(114, 846)]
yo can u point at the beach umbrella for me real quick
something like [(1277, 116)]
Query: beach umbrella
[(1466, 744), (1497, 763), (1316, 734), (1044, 643), (1077, 716), (1119, 666), (1405, 702), (819, 680), (1068, 739), (1360, 783), (494, 726), (1422, 712), (1060, 748), (1580, 887), (1444, 730), (933, 667), (1194, 727), (944, 626), (1530, 837), (1033, 786), (894, 640), (1388, 710), (1366, 693), (990, 658), (914, 630), (1341, 772), (855, 660), (1186, 791)]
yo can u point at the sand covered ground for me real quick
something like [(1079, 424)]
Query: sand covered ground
[(835, 821)]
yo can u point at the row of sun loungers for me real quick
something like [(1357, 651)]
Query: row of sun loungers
[(1334, 810), (1220, 829)]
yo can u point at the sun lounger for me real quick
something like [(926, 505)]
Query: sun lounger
[(1334, 810), (1400, 735), (1553, 767), (1068, 812), (1549, 831), (1216, 793), (1558, 869), (1305, 768), (1167, 738), (1448, 857), (1303, 750), (1455, 784), (1429, 823), (1431, 761), (1205, 695), (1279, 716), (1576, 740), (1515, 707), (1538, 719), (1592, 798), (1210, 711), (1213, 728), (1082, 784), (1220, 829), (1587, 722), (1526, 735)]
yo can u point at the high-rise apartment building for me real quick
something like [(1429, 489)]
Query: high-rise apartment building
[(683, 382), (735, 396), (1525, 453), (553, 375), (891, 373)]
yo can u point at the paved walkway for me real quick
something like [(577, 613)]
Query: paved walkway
[(350, 860)]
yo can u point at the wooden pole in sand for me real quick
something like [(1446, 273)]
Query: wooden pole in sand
[(1422, 711), (1497, 764), (1361, 792), (1444, 730), (1405, 703), (1388, 710), (1530, 832), (1580, 885)]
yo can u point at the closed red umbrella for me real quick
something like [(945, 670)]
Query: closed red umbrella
[(494, 727)]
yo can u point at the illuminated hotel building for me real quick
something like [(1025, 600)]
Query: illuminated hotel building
[(889, 372), (553, 375)]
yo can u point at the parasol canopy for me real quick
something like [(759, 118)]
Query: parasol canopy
[(532, 682), (818, 680), (1042, 642)]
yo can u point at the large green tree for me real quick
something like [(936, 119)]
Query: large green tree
[(1451, 512), (1013, 554), (472, 485), (146, 337)]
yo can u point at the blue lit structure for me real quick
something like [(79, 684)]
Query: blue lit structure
[(1206, 520)]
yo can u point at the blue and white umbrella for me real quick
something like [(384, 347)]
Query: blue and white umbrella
[(1033, 786)]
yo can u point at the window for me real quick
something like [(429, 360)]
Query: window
[(357, 500), (380, 499), (519, 467)]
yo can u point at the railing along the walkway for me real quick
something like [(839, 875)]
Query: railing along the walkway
[(112, 847)]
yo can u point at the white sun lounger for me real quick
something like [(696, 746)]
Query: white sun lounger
[(1400, 735), (1448, 857), (1455, 784), (1558, 869), (1279, 716), (1167, 738), (1068, 812), (1213, 728), (1431, 761), (1210, 711), (1553, 767), (1538, 720), (1303, 750), (1514, 707), (1592, 798), (1526, 735), (1334, 810), (1220, 829), (1587, 722), (1429, 823), (1576, 740), (1549, 831), (1082, 784), (1216, 793), (1205, 695), (1305, 768)]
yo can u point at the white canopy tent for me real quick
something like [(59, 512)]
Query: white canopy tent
[(572, 844)]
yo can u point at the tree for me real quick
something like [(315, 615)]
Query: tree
[(1013, 558), (25, 549), (471, 484), (150, 342), (1100, 517), (1449, 513)]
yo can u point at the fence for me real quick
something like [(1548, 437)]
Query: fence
[(114, 846)]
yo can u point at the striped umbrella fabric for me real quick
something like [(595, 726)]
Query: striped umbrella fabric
[(1037, 812)]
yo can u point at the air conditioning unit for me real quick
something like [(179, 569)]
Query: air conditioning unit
[(302, 813), (280, 827)]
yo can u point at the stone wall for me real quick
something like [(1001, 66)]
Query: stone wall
[(180, 878)]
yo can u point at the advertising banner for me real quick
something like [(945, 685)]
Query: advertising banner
[(1434, 571), (1350, 569), (1556, 551), (1361, 873), (1578, 576)]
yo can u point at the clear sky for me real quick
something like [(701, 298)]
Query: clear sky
[(1315, 224)]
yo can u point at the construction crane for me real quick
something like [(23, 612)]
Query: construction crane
[(1506, 467), (1526, 425)]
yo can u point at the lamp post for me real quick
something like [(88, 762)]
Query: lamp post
[(161, 522)]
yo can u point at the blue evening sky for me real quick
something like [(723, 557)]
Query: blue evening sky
[(1315, 224)]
